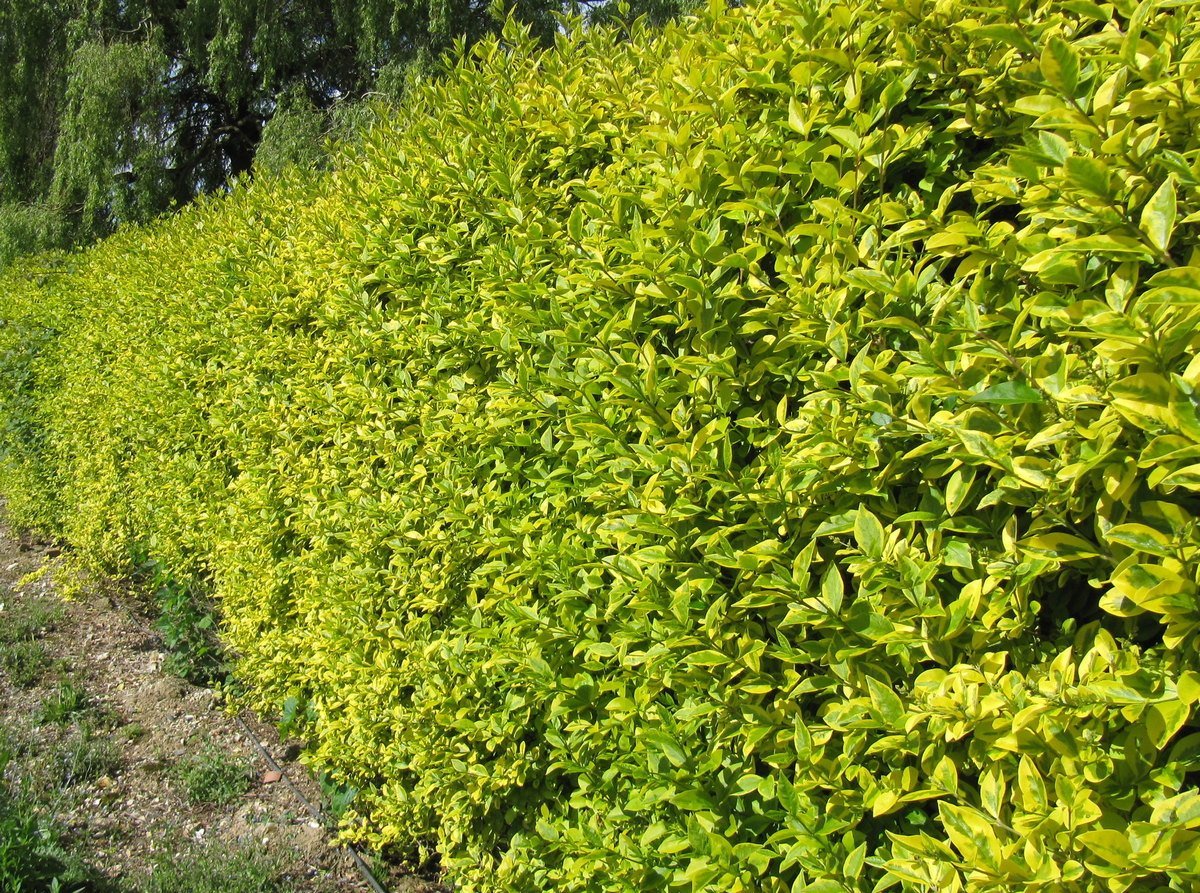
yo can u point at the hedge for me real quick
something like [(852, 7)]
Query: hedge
[(760, 455)]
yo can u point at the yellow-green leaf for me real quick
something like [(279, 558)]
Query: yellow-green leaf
[(1158, 215), (1060, 65)]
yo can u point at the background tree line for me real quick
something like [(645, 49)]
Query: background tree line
[(115, 111)]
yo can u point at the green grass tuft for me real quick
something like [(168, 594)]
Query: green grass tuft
[(64, 703), (24, 662), (27, 619), (217, 868), (213, 776)]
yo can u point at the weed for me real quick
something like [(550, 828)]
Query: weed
[(64, 703), (26, 620), (215, 868), (76, 758), (85, 756), (133, 732), (104, 716), (32, 855), (338, 795), (186, 622), (24, 662), (14, 744), (213, 776)]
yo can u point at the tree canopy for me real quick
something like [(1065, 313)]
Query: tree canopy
[(118, 110)]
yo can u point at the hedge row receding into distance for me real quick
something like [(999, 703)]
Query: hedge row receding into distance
[(757, 456)]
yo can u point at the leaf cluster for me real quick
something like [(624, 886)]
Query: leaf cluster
[(761, 455)]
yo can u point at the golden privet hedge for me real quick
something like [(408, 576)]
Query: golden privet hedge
[(758, 456)]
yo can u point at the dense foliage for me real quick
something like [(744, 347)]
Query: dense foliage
[(761, 456)]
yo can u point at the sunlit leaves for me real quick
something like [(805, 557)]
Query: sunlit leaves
[(1159, 215), (760, 457), (1060, 66)]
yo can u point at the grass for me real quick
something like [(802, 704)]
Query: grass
[(83, 756), (64, 703), (49, 770), (79, 742), (132, 733), (27, 620), (33, 856), (212, 776), (22, 657), (24, 662), (215, 868)]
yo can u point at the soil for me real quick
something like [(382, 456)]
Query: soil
[(104, 641)]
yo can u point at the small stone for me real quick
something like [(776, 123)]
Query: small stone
[(271, 777)]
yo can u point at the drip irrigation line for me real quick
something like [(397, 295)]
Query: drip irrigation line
[(317, 814)]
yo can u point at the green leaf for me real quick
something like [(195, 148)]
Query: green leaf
[(693, 800), (958, 487), (1031, 786), (1111, 846), (1088, 10), (1039, 105), (1158, 215), (888, 706), (575, 224), (1154, 588), (945, 775), (971, 833), (1090, 174), (1189, 687), (1163, 720), (1007, 34), (825, 885), (1060, 66), (832, 590), (1180, 811), (666, 743), (957, 553), (1118, 247), (868, 533), (1008, 393), (708, 658), (796, 116), (1061, 546), (1145, 396), (1140, 538)]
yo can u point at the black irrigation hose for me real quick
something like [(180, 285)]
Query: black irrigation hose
[(317, 815)]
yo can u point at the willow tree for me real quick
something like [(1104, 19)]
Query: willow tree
[(119, 110)]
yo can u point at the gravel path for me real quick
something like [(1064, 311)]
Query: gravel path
[(112, 769)]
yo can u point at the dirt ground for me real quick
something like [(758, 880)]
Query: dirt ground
[(133, 805)]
